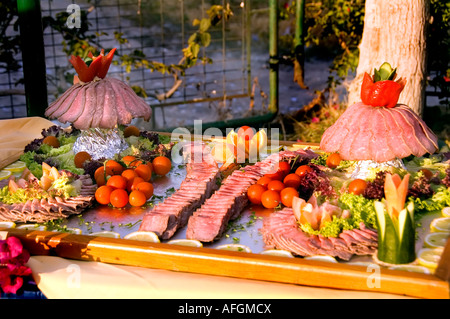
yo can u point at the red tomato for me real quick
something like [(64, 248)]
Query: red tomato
[(275, 175), (303, 169), (264, 181), (333, 160), (284, 168), (103, 194), (287, 195), (119, 198), (292, 180), (255, 192), (270, 199), (275, 185), (246, 132), (117, 181), (357, 186)]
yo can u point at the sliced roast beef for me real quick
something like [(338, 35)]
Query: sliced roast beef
[(201, 181), (208, 223)]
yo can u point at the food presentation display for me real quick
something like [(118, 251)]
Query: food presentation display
[(375, 192)]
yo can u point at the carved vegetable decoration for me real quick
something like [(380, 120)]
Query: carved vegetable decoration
[(396, 229)]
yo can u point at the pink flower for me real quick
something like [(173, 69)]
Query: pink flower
[(315, 120), (12, 264)]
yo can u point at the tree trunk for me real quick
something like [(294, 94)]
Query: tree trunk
[(395, 32)]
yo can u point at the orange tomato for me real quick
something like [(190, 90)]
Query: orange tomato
[(119, 198), (284, 168), (292, 180), (129, 174), (52, 141), (275, 185), (264, 180), (333, 160), (162, 165), (131, 130), (131, 185), (137, 198), (144, 171), (275, 176), (131, 161), (103, 194), (287, 195), (254, 193), (117, 181), (303, 169), (270, 199), (146, 188), (80, 158), (99, 176), (357, 186), (113, 167)]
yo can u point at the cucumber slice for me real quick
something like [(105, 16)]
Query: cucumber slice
[(406, 249), (385, 72), (381, 225)]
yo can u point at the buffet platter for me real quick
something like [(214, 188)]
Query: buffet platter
[(367, 209)]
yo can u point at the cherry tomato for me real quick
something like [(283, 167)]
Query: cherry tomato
[(246, 132), (275, 185), (333, 160), (80, 158), (303, 169), (103, 194), (292, 180), (129, 174), (144, 171), (270, 199), (255, 192), (287, 196), (264, 181), (131, 185), (113, 167), (357, 186), (427, 173), (99, 176), (131, 161), (284, 168), (137, 198), (119, 198), (117, 181), (276, 175), (162, 165), (146, 188)]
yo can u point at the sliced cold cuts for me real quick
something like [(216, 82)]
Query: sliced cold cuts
[(208, 223), (201, 181), (381, 134), (46, 209), (281, 231)]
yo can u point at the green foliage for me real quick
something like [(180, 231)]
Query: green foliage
[(334, 27)]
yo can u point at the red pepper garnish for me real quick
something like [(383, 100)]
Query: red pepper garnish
[(381, 93), (99, 66)]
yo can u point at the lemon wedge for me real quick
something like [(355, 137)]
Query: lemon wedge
[(429, 257), (441, 224), (277, 252), (4, 174), (106, 233), (446, 212), (6, 224), (322, 258), (235, 247), (186, 242), (74, 230), (438, 239), (16, 167), (412, 268), (32, 227), (143, 236)]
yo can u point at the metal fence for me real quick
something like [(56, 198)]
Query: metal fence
[(216, 91)]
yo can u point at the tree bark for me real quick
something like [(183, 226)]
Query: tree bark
[(395, 32)]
